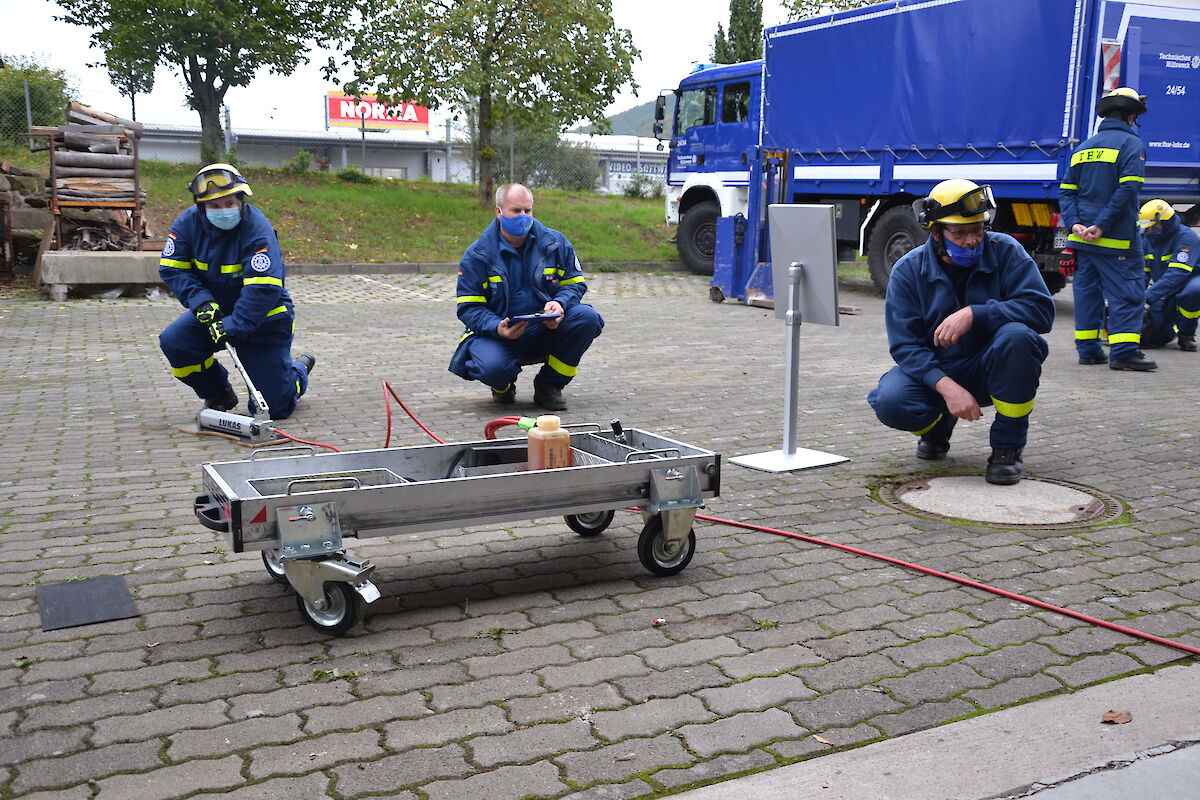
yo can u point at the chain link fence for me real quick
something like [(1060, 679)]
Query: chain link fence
[(29, 95)]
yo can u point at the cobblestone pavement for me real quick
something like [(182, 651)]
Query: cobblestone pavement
[(520, 660)]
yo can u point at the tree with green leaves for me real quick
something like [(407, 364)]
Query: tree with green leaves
[(49, 93), (803, 9), (743, 42), (541, 65), (211, 44)]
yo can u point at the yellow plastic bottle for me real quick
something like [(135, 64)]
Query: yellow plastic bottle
[(549, 444)]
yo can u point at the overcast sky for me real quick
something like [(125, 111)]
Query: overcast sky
[(672, 34)]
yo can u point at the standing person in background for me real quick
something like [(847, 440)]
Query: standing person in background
[(222, 262), (1098, 199), (519, 267), (1173, 299)]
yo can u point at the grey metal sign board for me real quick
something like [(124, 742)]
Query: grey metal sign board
[(804, 235)]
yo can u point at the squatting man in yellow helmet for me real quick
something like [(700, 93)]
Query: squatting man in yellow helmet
[(1170, 250), (964, 312), (222, 262)]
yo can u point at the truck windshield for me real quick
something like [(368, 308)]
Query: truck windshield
[(696, 107)]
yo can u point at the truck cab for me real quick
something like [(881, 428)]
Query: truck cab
[(713, 136)]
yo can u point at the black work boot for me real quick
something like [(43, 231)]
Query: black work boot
[(308, 360), (224, 400), (1004, 466), (1187, 344), (1100, 359), (1135, 363), (935, 443), (506, 397), (549, 397)]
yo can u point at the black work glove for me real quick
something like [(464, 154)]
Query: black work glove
[(1067, 262), (208, 313), (216, 329)]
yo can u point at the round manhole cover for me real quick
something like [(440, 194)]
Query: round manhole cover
[(1034, 502)]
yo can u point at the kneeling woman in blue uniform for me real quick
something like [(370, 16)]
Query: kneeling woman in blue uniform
[(222, 262), (964, 312)]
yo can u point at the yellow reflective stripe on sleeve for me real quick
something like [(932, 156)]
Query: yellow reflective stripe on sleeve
[(928, 427), (1177, 265), (1070, 186), (183, 372), (1103, 155), (463, 338), (561, 367), (229, 268), (170, 262), (495, 279), (201, 265), (472, 298), (262, 282), (276, 310), (1137, 178), (1081, 336), (1188, 314), (1112, 244), (1015, 410), (1121, 338), (570, 281), (1149, 256), (553, 271)]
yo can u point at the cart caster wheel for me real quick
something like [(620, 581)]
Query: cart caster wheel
[(715, 294), (654, 552), (340, 612), (274, 565), (592, 524)]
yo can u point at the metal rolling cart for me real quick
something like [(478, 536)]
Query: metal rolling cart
[(298, 507)]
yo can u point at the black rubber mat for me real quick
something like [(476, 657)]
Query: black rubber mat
[(74, 603)]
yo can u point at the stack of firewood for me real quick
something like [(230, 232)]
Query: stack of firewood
[(95, 162)]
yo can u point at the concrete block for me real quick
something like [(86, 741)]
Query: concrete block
[(63, 268)]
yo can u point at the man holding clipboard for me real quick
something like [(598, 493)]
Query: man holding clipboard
[(520, 291)]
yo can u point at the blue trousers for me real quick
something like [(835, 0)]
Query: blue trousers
[(266, 354), (497, 362), (1004, 374), (1177, 313), (1121, 280)]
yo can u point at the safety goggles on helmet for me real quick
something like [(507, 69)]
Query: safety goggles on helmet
[(1154, 212), (974, 205), (216, 181)]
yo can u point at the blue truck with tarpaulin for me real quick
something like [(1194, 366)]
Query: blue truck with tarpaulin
[(867, 109)]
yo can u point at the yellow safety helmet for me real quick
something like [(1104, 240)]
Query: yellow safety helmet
[(957, 202), (218, 180), (1154, 212), (1124, 101)]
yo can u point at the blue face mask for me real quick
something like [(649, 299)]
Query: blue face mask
[(964, 257), (517, 226), (224, 218)]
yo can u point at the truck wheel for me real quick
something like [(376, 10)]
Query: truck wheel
[(895, 234), (697, 236)]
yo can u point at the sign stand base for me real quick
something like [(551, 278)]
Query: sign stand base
[(782, 461)]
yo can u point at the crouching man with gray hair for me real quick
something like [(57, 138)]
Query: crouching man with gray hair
[(520, 292)]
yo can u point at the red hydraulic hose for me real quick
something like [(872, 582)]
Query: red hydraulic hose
[(1187, 648), (413, 417), (304, 441), (489, 429)]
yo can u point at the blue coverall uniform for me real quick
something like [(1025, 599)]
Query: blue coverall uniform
[(242, 271), (496, 280), (999, 360), (1101, 188), (1174, 294)]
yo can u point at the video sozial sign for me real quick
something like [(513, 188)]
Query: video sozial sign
[(350, 111)]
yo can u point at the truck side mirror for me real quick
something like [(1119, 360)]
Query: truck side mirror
[(660, 106), (658, 129)]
